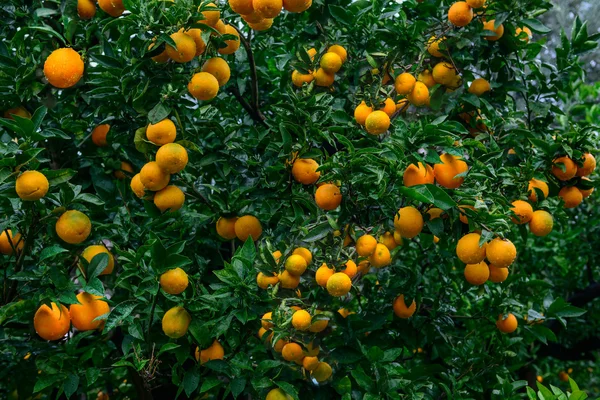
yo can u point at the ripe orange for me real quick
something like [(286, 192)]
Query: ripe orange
[(463, 215), (365, 245), (586, 192), (232, 44), (73, 226), (31, 185), (318, 325), (297, 6), (525, 29), (175, 322), (268, 8), (570, 168), (408, 221), (185, 47), (304, 171), (276, 256), (445, 173), (299, 79), (468, 249), (339, 50), (589, 165), (52, 323), (477, 274), (248, 226), (460, 14), (350, 269), (211, 17), (288, 281), (301, 320), (241, 6), (172, 157), (84, 314), (444, 73), (402, 310), (498, 32), (195, 34), (125, 167), (292, 352), (86, 9), (92, 251), (571, 196), (361, 112), (377, 122), (162, 132), (389, 241), (498, 275), (501, 252), (426, 78), (99, 133), (536, 183), (114, 8), (295, 265), (213, 352), (331, 62), (203, 86), (541, 223), (304, 253), (479, 86), (19, 111), (278, 346), (310, 363), (508, 324), (174, 281), (153, 177), (405, 83), (328, 197), (263, 281), (218, 68), (226, 228), (63, 68), (418, 175), (381, 256), (523, 212), (6, 246), (419, 95), (323, 78), (339, 284), (322, 372), (160, 58), (323, 274), (433, 46), (389, 107), (476, 3), (278, 394)]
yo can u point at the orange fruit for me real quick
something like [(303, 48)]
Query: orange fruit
[(477, 274), (418, 175), (463, 215), (241, 6), (278, 346), (589, 165), (232, 44), (73, 227), (570, 168), (63, 68), (248, 226), (339, 284), (433, 46), (331, 62), (318, 325), (498, 32), (381, 256), (175, 322), (389, 107), (365, 245), (350, 269), (267, 320), (162, 132), (426, 78), (444, 73), (6, 246), (263, 281), (476, 3), (361, 112), (288, 281), (211, 17), (213, 352), (536, 183), (408, 221), (529, 34), (468, 249), (339, 50), (92, 251), (99, 133), (292, 352), (401, 309), (310, 363), (295, 265), (389, 241), (328, 197), (445, 173), (301, 320), (299, 79), (586, 192), (304, 253), (498, 275), (304, 171), (160, 58), (405, 83), (86, 9), (125, 167), (174, 281), (278, 394), (203, 86), (31, 185), (523, 212), (195, 34), (153, 177), (84, 314), (114, 8), (323, 274), (226, 228), (184, 50), (172, 157), (268, 8), (19, 111), (571, 196), (218, 68), (479, 86), (501, 252), (52, 323), (322, 372), (419, 95), (377, 122), (508, 324), (297, 6), (252, 18), (323, 78), (541, 223), (460, 14)]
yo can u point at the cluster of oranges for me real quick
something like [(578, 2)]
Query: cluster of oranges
[(259, 14), (242, 228), (569, 172), (329, 64), (86, 9)]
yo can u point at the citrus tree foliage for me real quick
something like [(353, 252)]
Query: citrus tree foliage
[(241, 147)]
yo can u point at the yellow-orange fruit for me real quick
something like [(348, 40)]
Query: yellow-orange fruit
[(267, 320), (299, 79), (433, 46), (160, 58), (365, 245), (278, 394), (114, 8), (322, 372), (301, 320), (445, 173), (232, 44), (169, 198), (389, 107), (304, 253), (463, 215), (331, 63), (292, 352), (5, 245), (226, 228), (241, 6), (92, 251), (525, 29), (323, 274), (297, 6), (361, 112), (501, 252), (19, 111), (508, 324), (589, 165), (476, 3), (203, 86), (460, 14), (405, 83), (172, 157), (252, 18), (304, 171), (408, 221), (295, 264), (328, 197), (86, 9), (211, 17), (174, 281), (537, 184), (162, 132), (339, 284), (185, 47), (52, 323), (570, 168), (268, 8), (91, 307), (310, 363), (498, 275), (388, 239), (263, 281), (288, 281), (585, 193), (339, 50), (73, 226), (175, 322), (522, 210), (541, 223), (125, 167), (323, 78), (477, 274), (480, 86), (196, 35), (214, 352), (468, 249), (419, 95), (401, 309), (248, 226), (563, 376), (571, 196), (418, 175), (381, 256), (153, 177), (218, 68), (99, 134), (426, 78), (350, 269), (377, 122), (498, 32), (31, 185), (444, 73)]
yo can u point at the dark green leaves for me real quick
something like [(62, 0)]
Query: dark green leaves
[(429, 194)]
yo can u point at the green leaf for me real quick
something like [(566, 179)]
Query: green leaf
[(70, 385), (158, 113), (97, 265), (536, 26), (340, 14), (288, 389), (191, 380), (49, 252), (317, 233)]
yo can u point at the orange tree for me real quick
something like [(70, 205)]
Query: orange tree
[(367, 199)]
